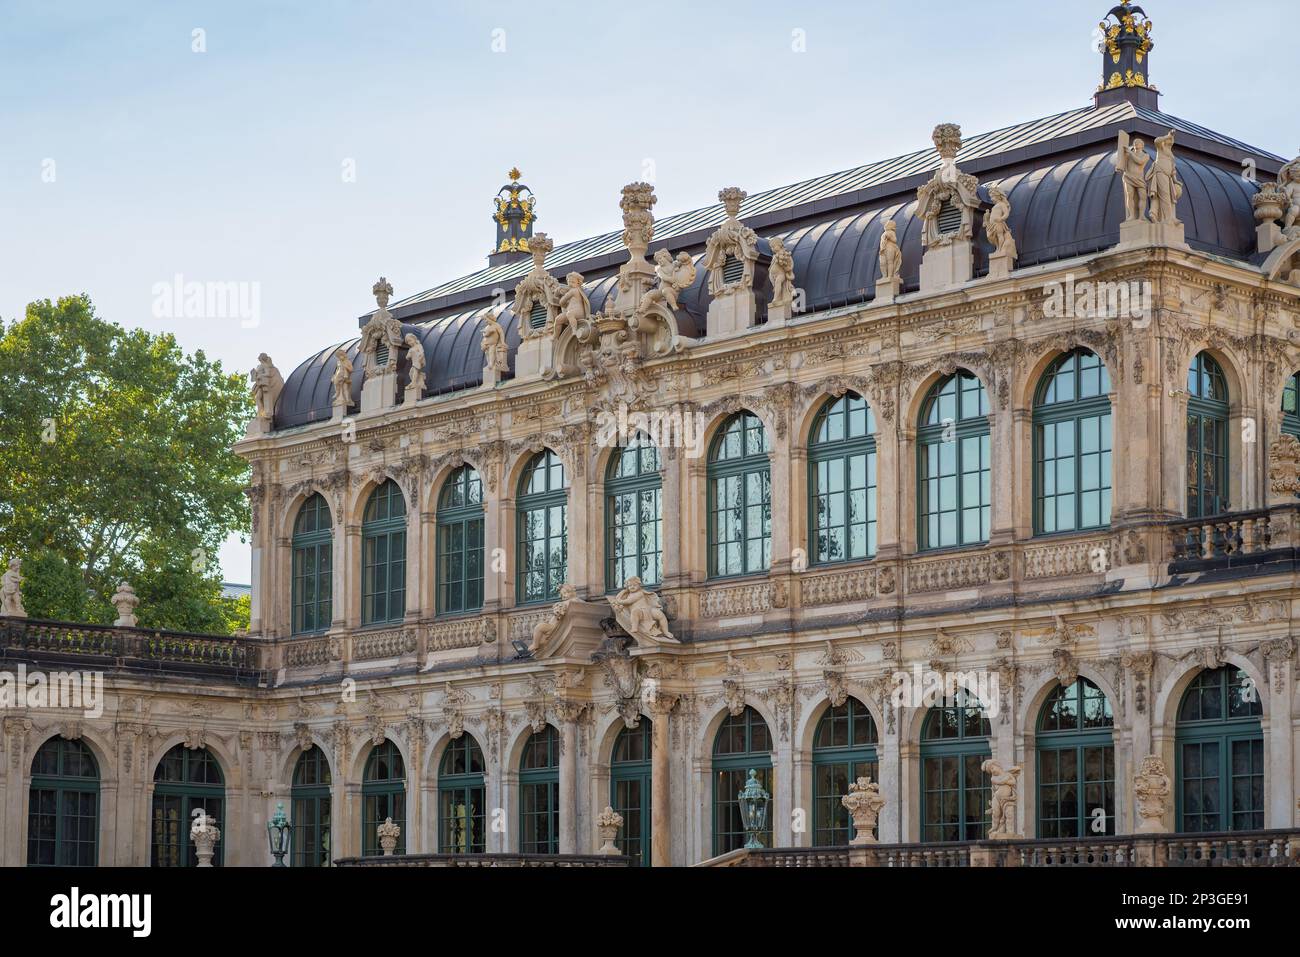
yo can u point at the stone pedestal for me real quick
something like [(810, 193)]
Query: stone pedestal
[(490, 377), (1138, 232), (943, 267), (731, 314), (1268, 236), (411, 396), (258, 426), (779, 314), (1000, 266), (534, 356), (887, 290), (660, 793), (380, 390)]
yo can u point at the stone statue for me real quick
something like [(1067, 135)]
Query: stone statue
[(382, 329), (1163, 183), (1154, 791), (864, 803), (204, 835), (546, 627), (674, 276), (996, 227), (891, 257), (1284, 468), (495, 353), (575, 307), (732, 240), (1002, 809), (415, 356), (1288, 180), (1131, 162), (607, 825), (781, 272), (342, 380), (11, 594), (125, 600), (640, 612), (267, 383), (388, 833)]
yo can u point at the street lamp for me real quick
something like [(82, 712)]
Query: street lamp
[(277, 833), (753, 809)]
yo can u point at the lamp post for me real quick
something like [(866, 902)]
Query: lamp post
[(753, 809), (277, 833)]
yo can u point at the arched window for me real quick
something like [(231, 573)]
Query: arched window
[(461, 802), (743, 744), (1207, 438), (311, 809), (1072, 445), (543, 557), (186, 779), (740, 498), (842, 481), (844, 749), (1220, 753), (953, 464), (629, 789), (460, 542), (383, 556), (313, 548), (539, 793), (1076, 763), (954, 791), (383, 795), (1291, 405), (63, 806), (633, 517)]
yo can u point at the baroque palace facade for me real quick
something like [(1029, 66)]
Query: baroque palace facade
[(614, 522)]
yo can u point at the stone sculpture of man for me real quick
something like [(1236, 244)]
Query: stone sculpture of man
[(267, 383), (1163, 183), (342, 380), (1131, 160)]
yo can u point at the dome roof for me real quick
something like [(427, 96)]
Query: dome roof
[(1066, 201)]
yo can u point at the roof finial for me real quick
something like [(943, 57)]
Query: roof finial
[(514, 216), (1125, 44)]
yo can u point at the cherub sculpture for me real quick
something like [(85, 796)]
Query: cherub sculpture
[(640, 612), (574, 306), (1002, 808), (415, 356), (995, 224), (1288, 180), (781, 272), (891, 257), (546, 627)]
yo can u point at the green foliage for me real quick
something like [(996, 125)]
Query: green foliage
[(115, 447)]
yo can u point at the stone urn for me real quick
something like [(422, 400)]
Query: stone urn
[(388, 833), (204, 835), (863, 802), (607, 826)]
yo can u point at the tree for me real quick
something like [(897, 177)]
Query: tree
[(115, 448)]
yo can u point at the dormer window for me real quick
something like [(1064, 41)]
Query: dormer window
[(949, 218), (537, 316), (733, 270), (381, 355)]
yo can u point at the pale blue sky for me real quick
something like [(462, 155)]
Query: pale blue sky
[(227, 165)]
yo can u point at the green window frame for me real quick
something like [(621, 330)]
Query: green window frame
[(462, 798), (844, 749), (63, 806), (955, 791), (1219, 754), (1207, 438), (310, 796), (630, 789), (383, 795), (460, 542), (740, 498), (383, 556), (954, 463), (185, 779), (842, 482), (543, 529), (1076, 762), (1072, 445), (634, 515), (1291, 405), (743, 743), (539, 793), (313, 551)]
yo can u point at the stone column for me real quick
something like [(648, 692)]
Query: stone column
[(1002, 461), (660, 707), (779, 469), (350, 597), (1279, 658), (569, 713), (581, 561), (889, 479)]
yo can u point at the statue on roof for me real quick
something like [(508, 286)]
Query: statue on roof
[(495, 355), (781, 272), (996, 227), (1288, 180), (1131, 163), (382, 330), (415, 356), (342, 380), (891, 257), (1163, 183), (267, 383), (674, 276), (574, 307)]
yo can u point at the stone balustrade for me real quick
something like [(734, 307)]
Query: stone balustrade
[(487, 860)]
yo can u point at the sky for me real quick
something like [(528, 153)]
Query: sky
[(302, 149)]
